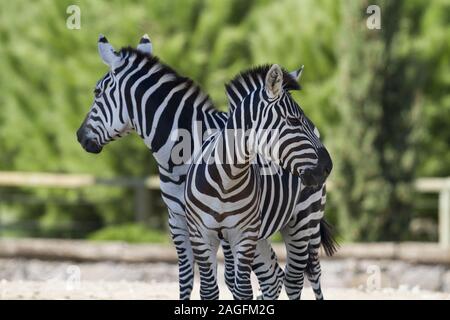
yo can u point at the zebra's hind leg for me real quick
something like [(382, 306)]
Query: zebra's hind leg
[(229, 265), (185, 267), (313, 270), (269, 273), (244, 252), (180, 238)]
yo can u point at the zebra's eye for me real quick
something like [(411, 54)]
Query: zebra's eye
[(97, 92)]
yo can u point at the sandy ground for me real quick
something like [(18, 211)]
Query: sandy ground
[(139, 290), (47, 280)]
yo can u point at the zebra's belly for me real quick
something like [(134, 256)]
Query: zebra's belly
[(172, 191)]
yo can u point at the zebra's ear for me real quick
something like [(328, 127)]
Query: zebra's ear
[(274, 81), (145, 45), (107, 52), (297, 74)]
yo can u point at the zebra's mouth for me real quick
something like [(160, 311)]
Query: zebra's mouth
[(317, 175), (87, 141), (314, 177), (92, 147), (309, 178)]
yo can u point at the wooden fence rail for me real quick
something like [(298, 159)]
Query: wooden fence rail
[(50, 180), (441, 186)]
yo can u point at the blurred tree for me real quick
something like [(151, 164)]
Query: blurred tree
[(362, 88), (432, 45), (382, 80)]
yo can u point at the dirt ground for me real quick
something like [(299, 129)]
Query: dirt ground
[(169, 290), (34, 279)]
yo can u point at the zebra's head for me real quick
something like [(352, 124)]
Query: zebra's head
[(276, 116), (108, 118)]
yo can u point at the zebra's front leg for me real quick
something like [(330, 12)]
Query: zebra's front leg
[(244, 253), (296, 262), (180, 238), (269, 273)]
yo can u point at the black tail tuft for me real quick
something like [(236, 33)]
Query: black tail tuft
[(329, 243)]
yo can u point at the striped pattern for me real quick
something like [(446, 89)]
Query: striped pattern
[(308, 211), (142, 94), (233, 201), (128, 98)]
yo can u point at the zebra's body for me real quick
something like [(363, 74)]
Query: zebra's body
[(123, 104), (310, 204), (141, 94), (230, 199)]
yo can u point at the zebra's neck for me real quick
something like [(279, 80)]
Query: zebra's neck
[(165, 109), (233, 160)]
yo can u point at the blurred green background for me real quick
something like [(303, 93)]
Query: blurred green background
[(381, 99)]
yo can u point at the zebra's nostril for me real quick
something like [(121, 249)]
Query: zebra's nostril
[(308, 178)]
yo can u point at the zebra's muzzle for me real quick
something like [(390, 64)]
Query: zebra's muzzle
[(313, 177), (90, 145), (318, 175), (310, 178)]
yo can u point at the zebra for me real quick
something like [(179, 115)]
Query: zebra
[(118, 95), (224, 192), (141, 94), (311, 203)]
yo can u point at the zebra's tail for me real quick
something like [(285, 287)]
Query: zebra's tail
[(330, 246), (327, 238)]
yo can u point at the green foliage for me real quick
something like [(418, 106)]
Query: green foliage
[(380, 98), (132, 233), (381, 107)]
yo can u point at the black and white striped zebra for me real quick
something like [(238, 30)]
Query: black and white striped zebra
[(141, 94), (310, 206), (225, 192), (119, 108)]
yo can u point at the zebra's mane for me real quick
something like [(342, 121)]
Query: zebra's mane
[(252, 79), (152, 60)]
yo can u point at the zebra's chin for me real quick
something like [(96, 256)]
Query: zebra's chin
[(92, 147)]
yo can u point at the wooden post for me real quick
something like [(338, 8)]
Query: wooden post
[(444, 217), (141, 203), (1, 215)]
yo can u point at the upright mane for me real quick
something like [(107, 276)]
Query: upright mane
[(253, 79), (153, 60)]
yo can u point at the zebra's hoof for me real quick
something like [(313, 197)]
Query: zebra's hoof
[(259, 296)]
